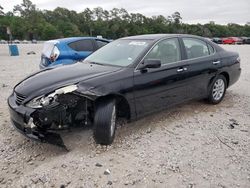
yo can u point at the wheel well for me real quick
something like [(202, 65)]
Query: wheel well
[(226, 75), (122, 104)]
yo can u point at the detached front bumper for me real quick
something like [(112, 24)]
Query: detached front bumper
[(21, 118)]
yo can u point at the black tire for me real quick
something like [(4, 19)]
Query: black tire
[(104, 130), (211, 95)]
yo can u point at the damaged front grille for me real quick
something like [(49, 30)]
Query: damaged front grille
[(19, 98)]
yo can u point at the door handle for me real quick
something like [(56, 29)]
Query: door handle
[(181, 69), (216, 62)]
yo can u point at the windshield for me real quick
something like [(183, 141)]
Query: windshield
[(120, 52)]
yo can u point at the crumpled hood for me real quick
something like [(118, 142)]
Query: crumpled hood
[(61, 76)]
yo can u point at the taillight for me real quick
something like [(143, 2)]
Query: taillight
[(238, 59), (54, 54), (53, 58)]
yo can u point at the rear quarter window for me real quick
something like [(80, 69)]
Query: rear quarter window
[(211, 49)]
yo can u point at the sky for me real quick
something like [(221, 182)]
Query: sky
[(192, 11)]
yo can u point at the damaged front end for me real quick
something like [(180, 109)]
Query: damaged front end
[(42, 116)]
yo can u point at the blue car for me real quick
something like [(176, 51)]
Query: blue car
[(69, 50)]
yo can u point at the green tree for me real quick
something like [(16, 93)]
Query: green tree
[(48, 31), (32, 16), (176, 17), (1, 11), (26, 21)]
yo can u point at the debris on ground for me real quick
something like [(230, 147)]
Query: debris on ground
[(31, 53), (107, 172)]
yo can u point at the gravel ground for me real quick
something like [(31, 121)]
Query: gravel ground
[(191, 145)]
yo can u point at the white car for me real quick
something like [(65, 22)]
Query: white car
[(25, 42), (16, 41), (3, 42)]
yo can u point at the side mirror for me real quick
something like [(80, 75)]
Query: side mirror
[(150, 63)]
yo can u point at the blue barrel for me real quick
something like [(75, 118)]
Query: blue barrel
[(13, 50)]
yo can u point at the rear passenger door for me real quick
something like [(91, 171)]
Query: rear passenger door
[(82, 48), (202, 63)]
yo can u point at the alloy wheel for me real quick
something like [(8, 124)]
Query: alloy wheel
[(218, 89)]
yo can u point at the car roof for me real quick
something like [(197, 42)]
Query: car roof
[(72, 39), (158, 36)]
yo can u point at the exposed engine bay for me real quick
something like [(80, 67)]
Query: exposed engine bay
[(59, 110), (67, 110)]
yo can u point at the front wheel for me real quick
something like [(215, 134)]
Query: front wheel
[(105, 122), (217, 90)]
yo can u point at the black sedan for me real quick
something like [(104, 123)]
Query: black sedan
[(217, 40), (128, 78)]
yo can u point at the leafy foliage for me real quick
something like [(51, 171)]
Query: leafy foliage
[(28, 22), (1, 11)]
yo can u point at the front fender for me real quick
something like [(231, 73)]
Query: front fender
[(93, 93), (96, 94)]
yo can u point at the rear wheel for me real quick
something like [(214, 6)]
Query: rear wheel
[(105, 122), (217, 90)]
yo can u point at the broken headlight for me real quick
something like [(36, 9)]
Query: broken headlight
[(46, 100)]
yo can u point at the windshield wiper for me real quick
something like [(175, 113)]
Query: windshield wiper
[(96, 63)]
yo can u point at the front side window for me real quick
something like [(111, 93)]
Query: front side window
[(167, 51), (195, 48), (82, 45), (121, 52)]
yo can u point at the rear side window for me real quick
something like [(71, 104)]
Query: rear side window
[(100, 43), (195, 48), (82, 45)]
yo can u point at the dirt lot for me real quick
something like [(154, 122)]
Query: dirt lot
[(192, 145)]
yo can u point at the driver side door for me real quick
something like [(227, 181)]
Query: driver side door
[(158, 88)]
